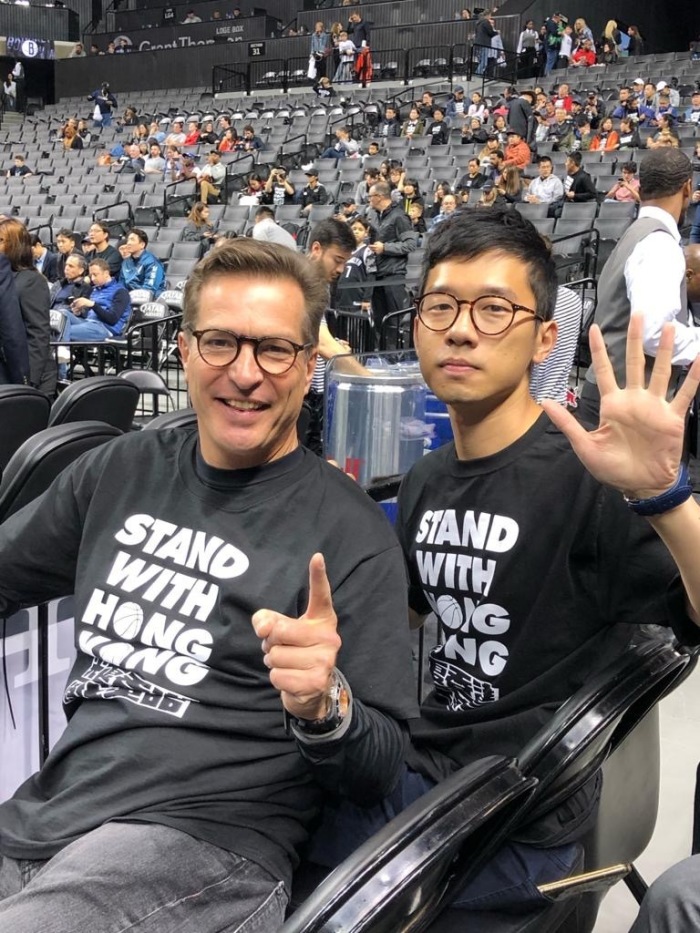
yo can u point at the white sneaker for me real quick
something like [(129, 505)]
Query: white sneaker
[(306, 166), (63, 355)]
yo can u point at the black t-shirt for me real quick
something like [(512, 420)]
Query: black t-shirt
[(172, 718), (536, 573)]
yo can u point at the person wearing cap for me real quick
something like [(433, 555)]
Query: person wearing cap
[(211, 178), (645, 273), (456, 108), (105, 104), (313, 192), (665, 107), (517, 152), (672, 91), (638, 89)]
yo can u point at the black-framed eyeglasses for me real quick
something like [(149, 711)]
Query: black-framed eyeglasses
[(274, 355), (490, 314)]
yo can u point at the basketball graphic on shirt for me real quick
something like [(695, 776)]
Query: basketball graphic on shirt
[(449, 611), (127, 620)]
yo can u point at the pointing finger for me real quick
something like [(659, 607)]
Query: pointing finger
[(320, 606)]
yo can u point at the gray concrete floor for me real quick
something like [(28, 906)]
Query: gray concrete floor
[(680, 754)]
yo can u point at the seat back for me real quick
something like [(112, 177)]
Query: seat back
[(98, 398), (42, 457), (23, 412), (183, 418), (413, 866)]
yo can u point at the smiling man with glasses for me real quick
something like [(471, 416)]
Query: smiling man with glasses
[(535, 571), (241, 629)]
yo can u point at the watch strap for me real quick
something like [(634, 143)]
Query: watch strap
[(681, 490)]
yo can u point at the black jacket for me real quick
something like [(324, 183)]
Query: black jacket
[(34, 303), (14, 355), (583, 187), (484, 32), (394, 229), (359, 32), (521, 119)]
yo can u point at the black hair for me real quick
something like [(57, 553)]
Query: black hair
[(264, 212), (141, 234), (467, 235), (663, 172), (576, 157), (332, 232), (630, 167)]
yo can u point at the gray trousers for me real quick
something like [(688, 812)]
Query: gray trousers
[(143, 878), (672, 903)]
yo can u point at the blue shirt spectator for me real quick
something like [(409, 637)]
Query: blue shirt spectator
[(141, 269)]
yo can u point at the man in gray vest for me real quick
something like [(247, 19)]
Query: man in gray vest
[(646, 274)]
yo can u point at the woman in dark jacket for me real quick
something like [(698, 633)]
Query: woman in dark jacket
[(14, 356), (198, 229), (34, 303)]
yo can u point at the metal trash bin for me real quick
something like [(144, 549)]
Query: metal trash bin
[(375, 422)]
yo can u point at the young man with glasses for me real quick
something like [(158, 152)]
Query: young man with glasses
[(536, 573), (239, 658)]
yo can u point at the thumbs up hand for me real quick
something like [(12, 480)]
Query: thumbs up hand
[(301, 653)]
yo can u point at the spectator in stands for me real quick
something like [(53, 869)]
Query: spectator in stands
[(323, 89), (646, 274), (129, 119), (622, 108), (409, 192), (512, 184), (193, 134), (212, 178), (198, 228), (517, 152), (369, 177), (626, 188), (394, 239), (474, 177), (313, 192), (98, 247), (254, 190), (266, 228), (141, 269), (188, 169), (696, 157), (345, 147), (83, 130), (583, 133), (562, 132), (71, 139), (629, 135), (497, 164), (19, 168), (249, 142), (78, 51), (348, 211), (389, 125), (228, 141), (73, 284), (173, 163), (427, 102), (34, 303), (478, 108), (499, 129), (416, 214), (45, 261), (154, 163), (692, 113), (155, 132), (346, 51), (105, 104), (456, 108), (360, 269), (607, 138), (578, 185), (278, 188), (67, 242), (9, 93), (438, 130), (526, 49), (666, 135), (104, 313), (131, 163), (414, 126), (14, 354), (321, 49), (550, 378), (585, 55), (208, 136), (473, 132), (491, 196), (177, 135), (664, 91), (484, 34), (448, 206), (636, 43), (191, 17), (358, 29), (546, 188)]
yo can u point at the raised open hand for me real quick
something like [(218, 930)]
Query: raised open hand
[(638, 445)]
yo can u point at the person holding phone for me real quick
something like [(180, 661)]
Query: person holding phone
[(626, 188)]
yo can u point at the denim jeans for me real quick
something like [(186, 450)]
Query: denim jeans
[(80, 329), (508, 881), (141, 878), (552, 56)]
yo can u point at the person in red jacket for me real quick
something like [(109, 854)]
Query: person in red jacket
[(517, 152)]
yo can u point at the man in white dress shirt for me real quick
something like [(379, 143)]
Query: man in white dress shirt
[(646, 274)]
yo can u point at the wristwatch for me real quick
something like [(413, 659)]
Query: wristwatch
[(338, 704), (681, 490)]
